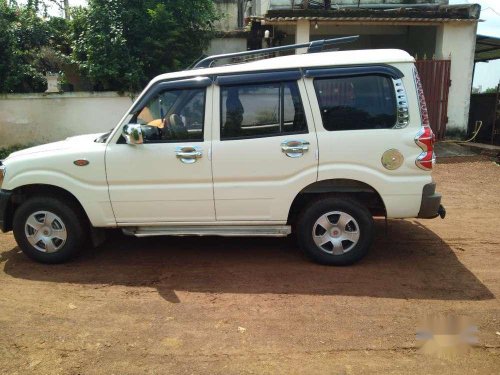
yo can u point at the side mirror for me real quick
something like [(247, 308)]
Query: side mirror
[(133, 134)]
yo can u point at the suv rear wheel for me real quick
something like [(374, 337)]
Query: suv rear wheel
[(335, 231), (48, 229)]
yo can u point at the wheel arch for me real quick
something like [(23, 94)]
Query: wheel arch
[(356, 189), (24, 192)]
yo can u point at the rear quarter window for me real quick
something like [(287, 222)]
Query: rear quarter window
[(356, 103)]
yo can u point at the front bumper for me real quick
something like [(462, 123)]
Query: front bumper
[(431, 206), (4, 210)]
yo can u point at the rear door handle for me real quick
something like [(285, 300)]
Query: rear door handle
[(295, 148), (188, 154)]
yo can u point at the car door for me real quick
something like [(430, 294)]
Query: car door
[(168, 178), (264, 147), (366, 130)]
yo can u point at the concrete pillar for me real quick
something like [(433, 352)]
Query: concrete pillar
[(457, 41), (262, 6), (302, 34)]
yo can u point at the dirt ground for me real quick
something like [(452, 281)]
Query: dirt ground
[(227, 306)]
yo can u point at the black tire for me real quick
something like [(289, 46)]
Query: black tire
[(319, 208), (73, 223)]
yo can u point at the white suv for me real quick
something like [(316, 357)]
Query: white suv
[(316, 144)]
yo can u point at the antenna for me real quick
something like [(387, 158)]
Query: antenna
[(312, 47)]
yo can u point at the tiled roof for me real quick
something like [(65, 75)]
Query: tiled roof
[(402, 13), (364, 19)]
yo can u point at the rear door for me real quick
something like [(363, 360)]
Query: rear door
[(366, 130), (264, 146)]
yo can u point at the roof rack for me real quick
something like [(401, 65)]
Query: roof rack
[(312, 47)]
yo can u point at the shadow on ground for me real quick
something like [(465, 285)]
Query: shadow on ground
[(412, 262)]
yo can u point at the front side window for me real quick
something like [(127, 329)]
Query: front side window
[(356, 103), (173, 116), (260, 110)]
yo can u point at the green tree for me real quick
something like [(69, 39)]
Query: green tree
[(29, 46), (121, 44), (7, 17), (100, 47), (491, 90), (116, 44)]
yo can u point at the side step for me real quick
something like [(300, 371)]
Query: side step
[(211, 230)]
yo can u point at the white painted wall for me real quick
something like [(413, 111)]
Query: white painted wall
[(42, 118), (457, 41), (262, 7), (302, 34)]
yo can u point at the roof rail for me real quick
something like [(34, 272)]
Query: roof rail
[(312, 47)]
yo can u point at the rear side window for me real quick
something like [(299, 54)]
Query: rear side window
[(261, 110), (356, 103)]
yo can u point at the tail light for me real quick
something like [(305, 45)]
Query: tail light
[(425, 138)]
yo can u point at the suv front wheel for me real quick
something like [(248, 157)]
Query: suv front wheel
[(335, 231), (48, 229)]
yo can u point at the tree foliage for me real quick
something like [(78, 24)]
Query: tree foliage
[(116, 44), (491, 90), (29, 46), (121, 44)]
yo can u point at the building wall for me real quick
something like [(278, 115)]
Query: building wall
[(418, 41), (261, 7), (421, 41), (280, 4), (371, 37), (226, 45), (457, 42), (229, 15), (42, 118)]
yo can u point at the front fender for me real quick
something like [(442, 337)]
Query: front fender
[(56, 167)]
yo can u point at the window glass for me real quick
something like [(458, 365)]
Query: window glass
[(175, 116), (261, 110), (293, 111), (356, 103)]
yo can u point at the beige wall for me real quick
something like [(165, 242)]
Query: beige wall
[(226, 45), (229, 15), (41, 118)]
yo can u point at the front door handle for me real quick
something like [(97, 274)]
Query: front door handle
[(188, 154), (295, 148)]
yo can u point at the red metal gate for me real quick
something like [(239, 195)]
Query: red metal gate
[(435, 77)]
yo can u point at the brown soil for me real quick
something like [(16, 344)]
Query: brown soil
[(227, 306)]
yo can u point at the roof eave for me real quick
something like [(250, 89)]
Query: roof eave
[(363, 20), (455, 12)]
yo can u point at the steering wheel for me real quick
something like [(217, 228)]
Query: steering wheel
[(176, 121), (173, 126)]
